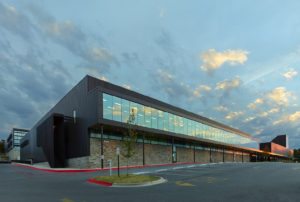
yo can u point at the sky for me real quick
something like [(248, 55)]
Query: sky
[(235, 62)]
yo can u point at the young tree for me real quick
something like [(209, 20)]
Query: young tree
[(130, 138)]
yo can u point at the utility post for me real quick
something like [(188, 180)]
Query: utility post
[(118, 154)]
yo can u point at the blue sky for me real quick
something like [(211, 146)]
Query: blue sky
[(235, 62)]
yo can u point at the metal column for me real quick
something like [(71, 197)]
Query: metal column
[(143, 149), (223, 156), (102, 151), (210, 157)]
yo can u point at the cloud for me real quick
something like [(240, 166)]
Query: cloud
[(249, 119), (280, 96), (232, 115), (264, 114), (72, 37), (229, 84), (289, 118), (273, 110), (203, 87), (174, 89), (213, 60), (15, 22), (221, 108), (127, 86), (290, 74), (294, 117), (258, 132), (255, 103)]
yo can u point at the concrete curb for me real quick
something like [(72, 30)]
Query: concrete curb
[(144, 184)]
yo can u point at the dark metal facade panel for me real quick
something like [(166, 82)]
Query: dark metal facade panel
[(281, 140), (124, 93), (86, 106)]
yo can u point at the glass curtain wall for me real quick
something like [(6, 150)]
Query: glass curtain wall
[(118, 109)]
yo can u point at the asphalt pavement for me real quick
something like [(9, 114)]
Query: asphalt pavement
[(213, 182)]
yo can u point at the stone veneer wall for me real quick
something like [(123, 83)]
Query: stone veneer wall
[(157, 154), (154, 154), (228, 157), (217, 156), (202, 156), (185, 155)]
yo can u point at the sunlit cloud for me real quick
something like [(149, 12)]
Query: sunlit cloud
[(258, 132), (203, 87), (290, 74), (277, 122), (232, 115), (264, 114), (221, 108), (255, 103), (213, 60), (127, 86), (273, 110), (165, 75), (100, 54), (289, 118), (249, 119), (280, 96), (229, 84), (56, 29), (197, 94)]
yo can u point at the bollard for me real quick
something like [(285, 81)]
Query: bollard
[(109, 163)]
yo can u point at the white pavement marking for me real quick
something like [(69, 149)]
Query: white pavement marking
[(161, 170)]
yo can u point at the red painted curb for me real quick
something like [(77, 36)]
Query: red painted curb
[(108, 184), (93, 170)]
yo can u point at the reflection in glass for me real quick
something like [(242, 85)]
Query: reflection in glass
[(117, 109)]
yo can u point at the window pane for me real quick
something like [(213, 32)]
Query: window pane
[(166, 121), (148, 117), (133, 109), (117, 109), (107, 106), (141, 115), (160, 121), (172, 123), (125, 110), (154, 118)]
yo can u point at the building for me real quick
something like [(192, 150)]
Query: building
[(278, 145), (84, 129), (13, 143)]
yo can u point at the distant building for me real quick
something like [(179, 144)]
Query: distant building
[(13, 143), (278, 145)]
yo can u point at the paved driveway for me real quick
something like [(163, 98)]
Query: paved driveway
[(218, 182)]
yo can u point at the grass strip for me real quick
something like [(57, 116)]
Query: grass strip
[(126, 179)]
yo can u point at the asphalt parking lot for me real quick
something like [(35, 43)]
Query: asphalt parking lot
[(216, 182)]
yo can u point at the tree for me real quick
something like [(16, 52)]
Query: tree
[(130, 138), (2, 146), (297, 153)]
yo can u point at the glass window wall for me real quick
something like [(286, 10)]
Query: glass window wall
[(117, 109)]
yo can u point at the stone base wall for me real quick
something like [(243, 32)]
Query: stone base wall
[(202, 156), (154, 154), (217, 156), (158, 154), (185, 155), (238, 158), (228, 157), (247, 158)]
